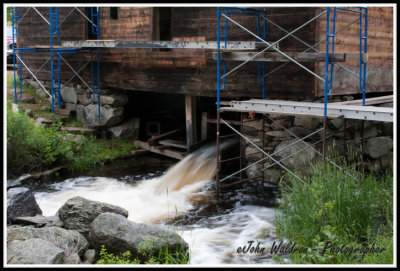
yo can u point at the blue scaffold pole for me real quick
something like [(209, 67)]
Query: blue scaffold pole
[(363, 49)]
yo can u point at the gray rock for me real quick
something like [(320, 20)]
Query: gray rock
[(301, 161), (109, 116), (116, 99), (78, 213), (307, 122), (73, 259), (378, 146), (90, 256), (254, 171), (336, 123), (386, 160), (39, 220), (71, 242), (119, 235), (271, 174), (129, 129), (253, 154), (80, 139), (279, 134), (28, 98), (79, 113), (34, 251), (85, 99), (279, 123), (21, 202), (68, 94)]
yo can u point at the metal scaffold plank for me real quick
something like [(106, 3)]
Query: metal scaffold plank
[(291, 107), (210, 45), (298, 56)]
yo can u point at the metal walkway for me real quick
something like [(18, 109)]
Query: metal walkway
[(372, 113)]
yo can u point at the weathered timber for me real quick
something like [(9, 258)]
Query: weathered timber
[(298, 56), (173, 143), (370, 101), (170, 153), (209, 45)]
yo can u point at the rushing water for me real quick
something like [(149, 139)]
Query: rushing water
[(182, 197)]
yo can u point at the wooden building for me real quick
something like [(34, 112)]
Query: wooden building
[(193, 72)]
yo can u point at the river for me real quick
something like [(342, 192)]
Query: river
[(155, 189)]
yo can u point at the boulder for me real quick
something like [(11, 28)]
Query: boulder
[(79, 113), (21, 202), (90, 256), (109, 116), (254, 171), (253, 154), (376, 147), (69, 95), (307, 122), (272, 175), (85, 99), (279, 123), (386, 160), (71, 242), (119, 235), (78, 213), (28, 98), (34, 251), (116, 99), (79, 139), (40, 221), (301, 161), (129, 129)]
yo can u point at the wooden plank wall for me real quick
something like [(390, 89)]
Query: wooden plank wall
[(193, 72), (380, 50), (35, 31)]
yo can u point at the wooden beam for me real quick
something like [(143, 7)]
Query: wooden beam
[(166, 152), (370, 101), (154, 138), (173, 143), (204, 125), (298, 56), (190, 108)]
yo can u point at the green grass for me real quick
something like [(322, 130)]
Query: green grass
[(145, 255), (332, 206), (31, 148)]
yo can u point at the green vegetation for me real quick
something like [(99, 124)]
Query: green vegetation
[(144, 256), (334, 207), (31, 148)]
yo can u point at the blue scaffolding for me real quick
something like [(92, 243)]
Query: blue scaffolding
[(281, 106), (56, 55)]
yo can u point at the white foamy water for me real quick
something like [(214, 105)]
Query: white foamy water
[(215, 240)]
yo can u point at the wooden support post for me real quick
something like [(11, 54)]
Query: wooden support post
[(204, 125), (218, 162), (190, 107)]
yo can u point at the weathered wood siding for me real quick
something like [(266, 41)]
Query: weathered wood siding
[(380, 51), (35, 31), (193, 71)]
